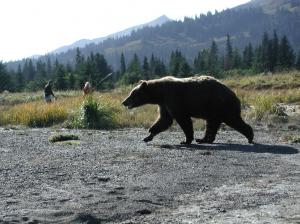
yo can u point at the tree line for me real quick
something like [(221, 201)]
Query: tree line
[(271, 54)]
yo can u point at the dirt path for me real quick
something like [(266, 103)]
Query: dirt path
[(113, 177)]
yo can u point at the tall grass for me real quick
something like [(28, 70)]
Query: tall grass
[(283, 81), (35, 114), (265, 102)]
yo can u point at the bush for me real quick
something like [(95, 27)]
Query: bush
[(94, 115), (63, 137)]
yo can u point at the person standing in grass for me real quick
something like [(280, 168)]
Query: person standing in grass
[(48, 92), (87, 89)]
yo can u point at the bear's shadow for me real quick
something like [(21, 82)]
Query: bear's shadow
[(252, 148)]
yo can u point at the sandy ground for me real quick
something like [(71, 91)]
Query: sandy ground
[(114, 177)]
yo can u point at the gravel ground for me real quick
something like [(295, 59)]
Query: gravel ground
[(114, 177)]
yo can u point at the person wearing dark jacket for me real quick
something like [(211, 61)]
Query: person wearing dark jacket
[(48, 92)]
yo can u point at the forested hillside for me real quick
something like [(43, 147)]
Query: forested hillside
[(193, 34), (255, 37)]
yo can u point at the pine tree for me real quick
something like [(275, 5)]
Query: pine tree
[(5, 79), (237, 59), (79, 58), (123, 65), (286, 55), (25, 70), (87, 74), (146, 69), (69, 68), (135, 65), (71, 81), (20, 82), (31, 71), (160, 68), (257, 61), (152, 66), (228, 60), (134, 71), (201, 62), (265, 52), (60, 79), (49, 67), (248, 56), (185, 69), (213, 60), (175, 62), (197, 67), (101, 69), (41, 70), (275, 47), (156, 67), (179, 65), (80, 68)]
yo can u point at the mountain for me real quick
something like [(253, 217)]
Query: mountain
[(244, 24), (271, 6), (83, 42)]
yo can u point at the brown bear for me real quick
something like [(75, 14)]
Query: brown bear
[(183, 98)]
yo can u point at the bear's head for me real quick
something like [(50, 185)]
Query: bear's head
[(138, 96)]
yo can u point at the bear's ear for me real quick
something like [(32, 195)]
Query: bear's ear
[(143, 83)]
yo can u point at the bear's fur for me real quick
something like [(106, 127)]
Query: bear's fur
[(181, 99)]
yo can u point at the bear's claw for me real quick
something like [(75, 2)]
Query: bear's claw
[(148, 139), (185, 143), (203, 140)]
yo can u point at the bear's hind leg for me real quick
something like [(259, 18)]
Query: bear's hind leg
[(186, 125), (242, 127), (212, 127)]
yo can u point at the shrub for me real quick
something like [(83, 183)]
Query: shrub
[(94, 115), (63, 137)]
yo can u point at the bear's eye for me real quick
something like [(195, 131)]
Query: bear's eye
[(134, 94)]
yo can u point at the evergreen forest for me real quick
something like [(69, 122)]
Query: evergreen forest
[(273, 53)]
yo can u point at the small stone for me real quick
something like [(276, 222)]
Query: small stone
[(144, 212)]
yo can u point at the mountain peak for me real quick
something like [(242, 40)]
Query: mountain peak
[(163, 18), (83, 42)]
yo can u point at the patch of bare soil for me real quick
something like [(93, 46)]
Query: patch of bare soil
[(114, 177)]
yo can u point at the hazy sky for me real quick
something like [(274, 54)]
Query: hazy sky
[(30, 27)]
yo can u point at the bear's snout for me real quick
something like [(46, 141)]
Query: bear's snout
[(126, 103)]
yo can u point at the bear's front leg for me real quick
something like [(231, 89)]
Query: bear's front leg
[(163, 122), (149, 138), (186, 125)]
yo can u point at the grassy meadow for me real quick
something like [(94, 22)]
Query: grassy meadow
[(261, 96)]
